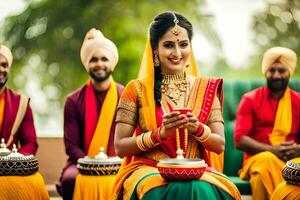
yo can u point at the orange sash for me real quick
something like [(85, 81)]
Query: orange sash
[(2, 106), (105, 120), (283, 120)]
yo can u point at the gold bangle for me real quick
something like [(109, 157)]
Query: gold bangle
[(145, 142), (140, 144), (148, 141)]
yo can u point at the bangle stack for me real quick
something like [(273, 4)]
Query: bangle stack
[(204, 135), (148, 140)]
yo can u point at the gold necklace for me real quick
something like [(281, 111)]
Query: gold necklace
[(174, 86)]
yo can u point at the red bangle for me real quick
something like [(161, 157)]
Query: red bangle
[(199, 131), (153, 137), (157, 135)]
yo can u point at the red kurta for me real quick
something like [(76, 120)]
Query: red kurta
[(256, 116), (25, 134)]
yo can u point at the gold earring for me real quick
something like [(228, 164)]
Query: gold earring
[(156, 60)]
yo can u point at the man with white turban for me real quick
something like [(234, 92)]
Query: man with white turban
[(267, 126), (16, 119), (90, 110)]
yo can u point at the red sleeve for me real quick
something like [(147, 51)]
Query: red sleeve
[(72, 137), (244, 119), (27, 134)]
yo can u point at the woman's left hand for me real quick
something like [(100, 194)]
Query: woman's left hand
[(193, 123)]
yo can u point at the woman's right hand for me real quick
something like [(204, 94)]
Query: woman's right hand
[(171, 121)]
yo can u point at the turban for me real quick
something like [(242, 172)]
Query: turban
[(285, 56), (5, 51), (93, 41)]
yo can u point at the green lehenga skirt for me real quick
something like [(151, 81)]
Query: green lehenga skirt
[(196, 189)]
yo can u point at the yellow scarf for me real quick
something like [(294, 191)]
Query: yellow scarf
[(105, 120), (283, 120)]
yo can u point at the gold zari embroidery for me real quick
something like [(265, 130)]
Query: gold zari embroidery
[(127, 112)]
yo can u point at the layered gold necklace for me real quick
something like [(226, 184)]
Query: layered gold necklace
[(174, 86)]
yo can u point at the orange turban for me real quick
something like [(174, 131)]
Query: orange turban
[(6, 52), (285, 56), (94, 40)]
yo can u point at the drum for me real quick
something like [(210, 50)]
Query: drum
[(101, 164), (16, 164), (291, 172), (95, 166)]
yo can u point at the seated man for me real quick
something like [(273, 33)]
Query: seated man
[(90, 111), (16, 120), (267, 125), (16, 127)]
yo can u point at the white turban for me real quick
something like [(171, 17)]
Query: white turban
[(93, 41), (6, 52), (285, 56)]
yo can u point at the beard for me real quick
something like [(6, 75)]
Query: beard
[(100, 77), (277, 85), (3, 79)]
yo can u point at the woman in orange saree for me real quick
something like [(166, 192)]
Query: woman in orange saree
[(146, 123)]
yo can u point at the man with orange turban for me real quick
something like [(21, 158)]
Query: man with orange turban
[(90, 110), (267, 126), (16, 120)]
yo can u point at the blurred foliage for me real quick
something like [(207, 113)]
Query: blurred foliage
[(277, 25), (46, 39)]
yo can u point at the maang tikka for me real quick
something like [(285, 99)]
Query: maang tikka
[(176, 29)]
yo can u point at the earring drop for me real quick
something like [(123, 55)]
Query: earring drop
[(156, 60)]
